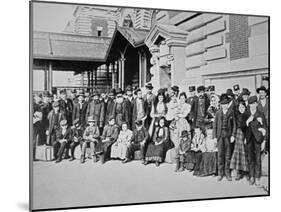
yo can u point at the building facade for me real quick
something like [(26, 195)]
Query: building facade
[(191, 48)]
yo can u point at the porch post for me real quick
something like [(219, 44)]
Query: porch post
[(113, 74), (45, 78), (119, 73), (89, 75), (50, 73), (107, 76), (140, 68), (122, 72)]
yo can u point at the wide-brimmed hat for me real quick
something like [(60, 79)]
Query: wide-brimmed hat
[(224, 99), (262, 88), (236, 87), (76, 121), (81, 94), (119, 92), (63, 122), (95, 93), (252, 99), (245, 91), (211, 88), (200, 88), (112, 92), (138, 122), (149, 86), (191, 88), (184, 133), (129, 88), (175, 88), (91, 119), (230, 93), (137, 90)]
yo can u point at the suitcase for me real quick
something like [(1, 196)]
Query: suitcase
[(44, 153), (171, 156)]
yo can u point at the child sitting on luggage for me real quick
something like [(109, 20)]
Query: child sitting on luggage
[(193, 156), (182, 149), (208, 163)]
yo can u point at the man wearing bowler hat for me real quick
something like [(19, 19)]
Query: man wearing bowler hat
[(108, 105), (55, 116), (191, 100), (77, 137), (201, 105), (263, 102), (80, 109), (149, 98), (224, 129), (245, 96), (120, 110), (255, 136), (140, 108), (66, 106), (96, 110)]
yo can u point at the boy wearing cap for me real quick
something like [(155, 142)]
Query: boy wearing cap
[(255, 135), (224, 130), (183, 147), (91, 136), (54, 118), (77, 137), (138, 142), (95, 110), (63, 139), (109, 136)]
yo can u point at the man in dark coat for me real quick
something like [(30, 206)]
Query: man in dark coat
[(66, 106), (224, 130), (108, 105), (80, 110), (128, 99), (236, 89), (63, 140), (140, 108), (201, 105), (46, 107), (37, 122), (54, 117), (77, 137), (95, 109), (255, 135), (149, 98), (109, 136), (138, 142), (191, 100)]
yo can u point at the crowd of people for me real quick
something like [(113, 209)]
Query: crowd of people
[(210, 134)]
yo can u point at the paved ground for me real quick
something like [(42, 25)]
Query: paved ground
[(69, 184)]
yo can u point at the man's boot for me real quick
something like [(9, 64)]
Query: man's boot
[(181, 169), (95, 158), (102, 159), (177, 165), (82, 159)]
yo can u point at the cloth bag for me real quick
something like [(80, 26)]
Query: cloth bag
[(44, 153)]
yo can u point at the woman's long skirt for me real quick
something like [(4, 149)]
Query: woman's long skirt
[(239, 159), (207, 165), (155, 152), (119, 150)]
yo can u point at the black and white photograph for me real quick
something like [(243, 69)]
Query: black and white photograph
[(136, 105)]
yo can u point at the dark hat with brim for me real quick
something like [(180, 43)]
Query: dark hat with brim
[(245, 91), (138, 122), (230, 93), (224, 99), (129, 88), (262, 88), (149, 86), (63, 122), (81, 94), (76, 121), (119, 92), (175, 88), (211, 88), (95, 93), (112, 92), (200, 88), (252, 99), (184, 133), (91, 119), (191, 88), (136, 91), (236, 87)]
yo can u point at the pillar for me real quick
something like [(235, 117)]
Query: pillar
[(119, 74), (113, 75), (50, 77), (45, 78), (122, 72), (140, 69), (107, 76)]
